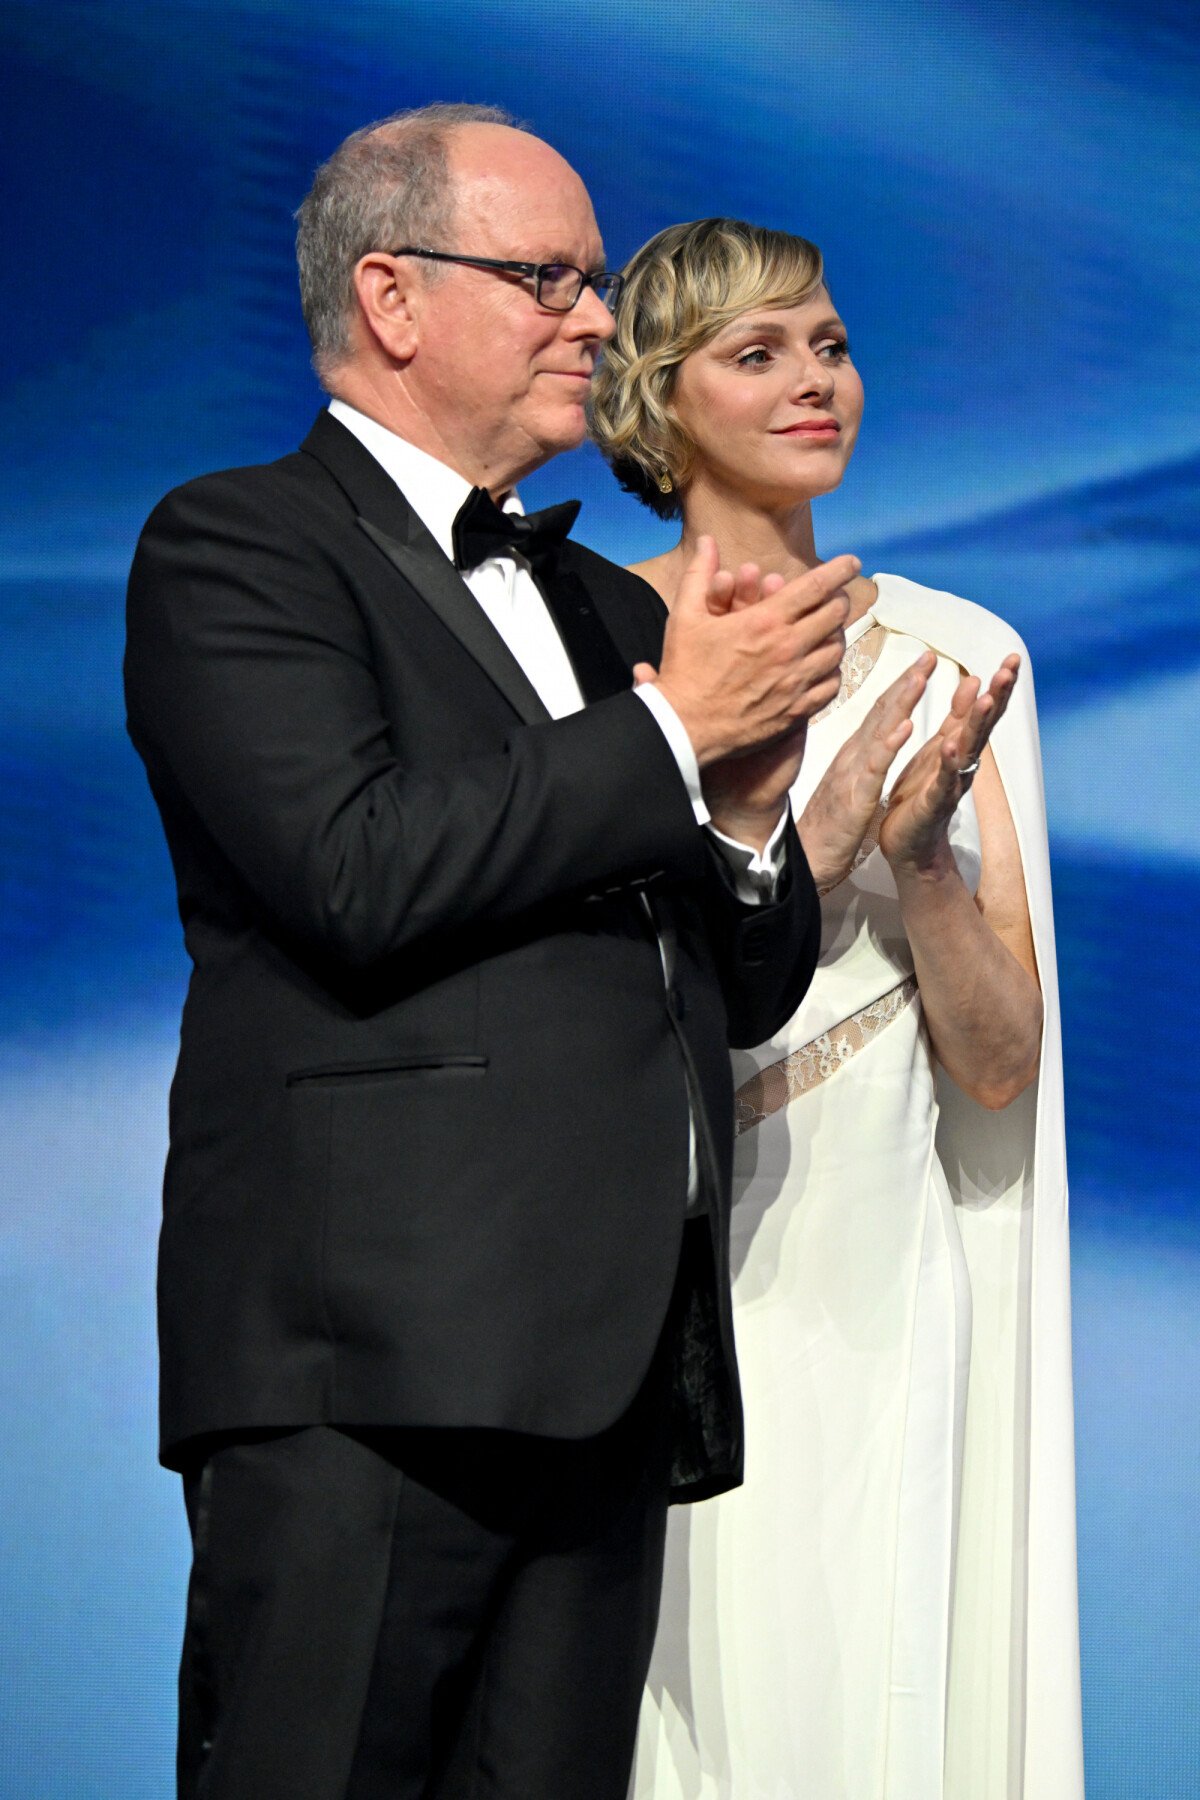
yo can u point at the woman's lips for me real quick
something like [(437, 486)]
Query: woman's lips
[(815, 428)]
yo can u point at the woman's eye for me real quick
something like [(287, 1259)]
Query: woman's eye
[(836, 350), (754, 358)]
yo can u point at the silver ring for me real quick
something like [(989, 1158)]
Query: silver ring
[(971, 769)]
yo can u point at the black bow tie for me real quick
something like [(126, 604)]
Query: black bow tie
[(482, 530)]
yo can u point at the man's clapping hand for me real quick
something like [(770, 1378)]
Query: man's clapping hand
[(747, 660)]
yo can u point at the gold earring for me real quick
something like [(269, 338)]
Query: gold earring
[(665, 484)]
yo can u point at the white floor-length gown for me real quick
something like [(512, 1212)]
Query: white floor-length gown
[(886, 1610)]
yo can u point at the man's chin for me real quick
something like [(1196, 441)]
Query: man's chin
[(567, 430), (550, 435), (573, 427)]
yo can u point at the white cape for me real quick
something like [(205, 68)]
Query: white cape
[(1007, 1173), (803, 1650)]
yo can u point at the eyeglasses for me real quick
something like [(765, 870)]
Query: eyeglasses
[(556, 286)]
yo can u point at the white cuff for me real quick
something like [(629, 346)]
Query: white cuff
[(755, 872), (679, 743)]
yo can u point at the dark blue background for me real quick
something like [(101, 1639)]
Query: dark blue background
[(1007, 200)]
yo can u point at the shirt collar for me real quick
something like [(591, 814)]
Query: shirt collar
[(433, 489)]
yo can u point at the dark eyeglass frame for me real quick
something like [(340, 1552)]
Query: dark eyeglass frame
[(603, 283)]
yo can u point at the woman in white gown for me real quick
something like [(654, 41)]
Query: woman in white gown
[(887, 1609)]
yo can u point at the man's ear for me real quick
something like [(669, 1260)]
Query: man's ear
[(386, 290)]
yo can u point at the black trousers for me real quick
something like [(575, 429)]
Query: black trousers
[(450, 1615)]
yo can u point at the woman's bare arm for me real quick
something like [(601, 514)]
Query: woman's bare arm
[(973, 955)]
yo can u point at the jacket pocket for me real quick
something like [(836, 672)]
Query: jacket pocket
[(338, 1073)]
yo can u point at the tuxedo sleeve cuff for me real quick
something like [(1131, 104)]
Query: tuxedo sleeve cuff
[(755, 873), (679, 743)]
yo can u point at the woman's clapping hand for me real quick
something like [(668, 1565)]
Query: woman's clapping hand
[(913, 835), (835, 821)]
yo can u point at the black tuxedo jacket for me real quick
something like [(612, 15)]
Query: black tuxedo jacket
[(429, 1126)]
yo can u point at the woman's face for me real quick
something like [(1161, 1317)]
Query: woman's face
[(772, 404)]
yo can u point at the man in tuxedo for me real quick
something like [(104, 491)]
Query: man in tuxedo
[(443, 1283)]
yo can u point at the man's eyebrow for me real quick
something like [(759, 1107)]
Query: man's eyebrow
[(569, 256)]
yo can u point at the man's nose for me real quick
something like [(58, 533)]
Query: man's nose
[(589, 317)]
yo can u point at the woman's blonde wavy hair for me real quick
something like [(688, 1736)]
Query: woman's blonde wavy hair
[(680, 289)]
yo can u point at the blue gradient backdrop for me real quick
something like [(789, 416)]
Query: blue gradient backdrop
[(1007, 198)]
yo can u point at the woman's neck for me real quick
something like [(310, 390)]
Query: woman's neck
[(781, 543)]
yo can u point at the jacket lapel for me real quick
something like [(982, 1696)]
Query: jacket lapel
[(433, 576), (600, 668), (394, 528)]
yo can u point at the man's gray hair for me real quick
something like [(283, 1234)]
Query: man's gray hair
[(387, 184)]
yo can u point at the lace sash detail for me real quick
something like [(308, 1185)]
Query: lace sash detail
[(781, 1082), (860, 658)]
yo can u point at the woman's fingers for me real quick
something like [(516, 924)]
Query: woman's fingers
[(902, 696), (695, 588), (965, 696), (1003, 684), (986, 712), (934, 782), (720, 592), (972, 733), (895, 706), (841, 808), (974, 715), (746, 585)]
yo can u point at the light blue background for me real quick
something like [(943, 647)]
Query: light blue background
[(1007, 196)]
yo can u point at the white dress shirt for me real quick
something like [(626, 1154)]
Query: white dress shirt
[(505, 589), (508, 594)]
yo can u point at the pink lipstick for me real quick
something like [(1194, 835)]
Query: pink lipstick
[(821, 429)]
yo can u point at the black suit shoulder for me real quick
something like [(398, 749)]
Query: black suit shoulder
[(601, 575), (633, 612), (295, 488)]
